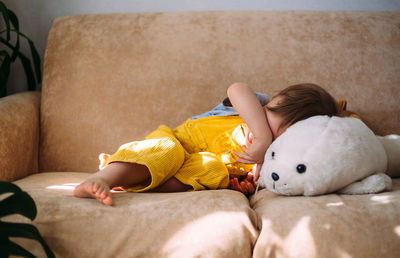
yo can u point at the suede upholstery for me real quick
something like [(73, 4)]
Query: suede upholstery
[(113, 78), (329, 225), (194, 224), (19, 135)]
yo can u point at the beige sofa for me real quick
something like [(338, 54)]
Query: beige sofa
[(110, 79)]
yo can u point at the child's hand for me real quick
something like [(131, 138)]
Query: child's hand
[(252, 155), (253, 151), (246, 186), (250, 158)]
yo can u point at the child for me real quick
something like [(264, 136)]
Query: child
[(205, 152)]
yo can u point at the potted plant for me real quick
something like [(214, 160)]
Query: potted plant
[(10, 39), (19, 202)]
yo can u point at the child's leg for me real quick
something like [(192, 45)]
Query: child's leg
[(114, 174), (172, 185), (161, 155)]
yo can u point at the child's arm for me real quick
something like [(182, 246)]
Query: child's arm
[(249, 108)]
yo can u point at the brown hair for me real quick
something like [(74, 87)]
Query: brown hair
[(302, 101)]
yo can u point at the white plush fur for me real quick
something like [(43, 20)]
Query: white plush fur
[(339, 154), (391, 143)]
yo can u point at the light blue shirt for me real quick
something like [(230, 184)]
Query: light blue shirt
[(225, 108)]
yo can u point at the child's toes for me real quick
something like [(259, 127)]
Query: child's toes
[(105, 197), (107, 200), (100, 195), (94, 188)]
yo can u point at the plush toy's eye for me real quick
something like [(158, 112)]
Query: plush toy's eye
[(301, 168), (273, 155)]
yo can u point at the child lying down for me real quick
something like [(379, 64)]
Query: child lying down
[(215, 150)]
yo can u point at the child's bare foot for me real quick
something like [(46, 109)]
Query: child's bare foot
[(98, 185), (94, 187)]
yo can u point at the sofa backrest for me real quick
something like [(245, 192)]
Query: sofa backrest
[(113, 78)]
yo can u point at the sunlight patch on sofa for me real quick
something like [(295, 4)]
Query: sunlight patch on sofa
[(333, 204), (343, 254), (211, 231), (68, 186), (397, 230), (327, 226), (383, 199), (71, 187), (307, 243), (291, 245)]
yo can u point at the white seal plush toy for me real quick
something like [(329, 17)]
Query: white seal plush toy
[(324, 154)]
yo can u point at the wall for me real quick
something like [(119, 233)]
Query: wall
[(36, 15)]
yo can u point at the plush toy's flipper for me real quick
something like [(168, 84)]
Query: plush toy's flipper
[(391, 143), (373, 184)]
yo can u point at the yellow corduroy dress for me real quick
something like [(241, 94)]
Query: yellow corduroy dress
[(199, 153)]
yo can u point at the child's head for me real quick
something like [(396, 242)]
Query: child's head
[(296, 103)]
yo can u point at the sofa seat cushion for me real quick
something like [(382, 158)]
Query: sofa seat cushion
[(329, 225), (190, 224)]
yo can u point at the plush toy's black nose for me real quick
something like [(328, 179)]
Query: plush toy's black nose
[(275, 176)]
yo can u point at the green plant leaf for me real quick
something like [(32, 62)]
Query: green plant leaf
[(4, 72), (7, 187), (26, 231), (26, 64), (15, 23), (35, 57), (15, 52), (9, 248), (12, 25), (18, 203), (4, 11), (36, 61), (13, 19)]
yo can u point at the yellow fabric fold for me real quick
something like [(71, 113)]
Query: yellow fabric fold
[(199, 153)]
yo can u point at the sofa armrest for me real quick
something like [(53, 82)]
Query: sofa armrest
[(19, 135)]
